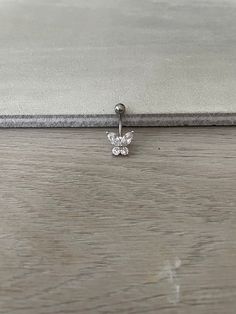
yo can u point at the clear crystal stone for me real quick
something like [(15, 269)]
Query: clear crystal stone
[(120, 141), (124, 151), (127, 138), (112, 137), (115, 139), (116, 151)]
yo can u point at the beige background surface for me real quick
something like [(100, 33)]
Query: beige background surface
[(82, 232), (83, 56)]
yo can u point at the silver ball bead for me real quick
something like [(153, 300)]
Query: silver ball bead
[(119, 108)]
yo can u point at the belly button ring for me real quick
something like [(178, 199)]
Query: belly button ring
[(120, 142)]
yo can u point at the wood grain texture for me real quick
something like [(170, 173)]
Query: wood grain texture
[(84, 56), (83, 232)]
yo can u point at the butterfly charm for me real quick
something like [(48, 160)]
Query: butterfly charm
[(120, 143)]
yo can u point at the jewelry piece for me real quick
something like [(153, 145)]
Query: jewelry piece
[(120, 142)]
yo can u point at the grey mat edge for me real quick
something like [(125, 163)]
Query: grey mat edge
[(143, 120)]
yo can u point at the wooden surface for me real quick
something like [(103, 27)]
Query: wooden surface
[(83, 232), (84, 56)]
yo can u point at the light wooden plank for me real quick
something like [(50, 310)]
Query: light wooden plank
[(84, 56), (83, 232)]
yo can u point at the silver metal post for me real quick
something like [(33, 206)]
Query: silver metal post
[(120, 110), (120, 125)]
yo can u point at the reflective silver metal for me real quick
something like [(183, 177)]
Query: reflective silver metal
[(120, 108), (120, 142)]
